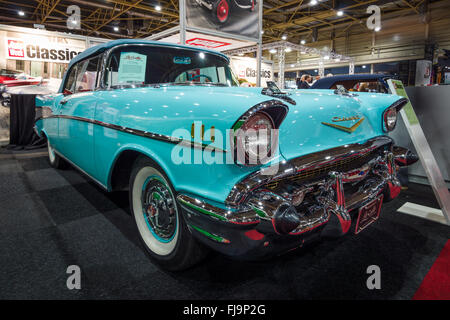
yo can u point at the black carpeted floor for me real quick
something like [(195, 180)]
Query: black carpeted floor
[(50, 219)]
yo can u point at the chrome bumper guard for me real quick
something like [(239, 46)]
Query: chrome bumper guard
[(311, 204)]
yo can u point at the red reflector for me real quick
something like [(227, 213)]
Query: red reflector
[(254, 235)]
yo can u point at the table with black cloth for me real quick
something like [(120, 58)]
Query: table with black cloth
[(22, 118)]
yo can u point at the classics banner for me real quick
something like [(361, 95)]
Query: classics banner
[(22, 49)]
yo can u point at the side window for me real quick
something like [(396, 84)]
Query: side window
[(70, 83), (87, 75), (112, 71)]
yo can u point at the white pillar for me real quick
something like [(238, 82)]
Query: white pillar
[(321, 68), (183, 21), (281, 54), (259, 47)]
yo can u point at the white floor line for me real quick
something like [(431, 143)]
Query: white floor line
[(417, 210)]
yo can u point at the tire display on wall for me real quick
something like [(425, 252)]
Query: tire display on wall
[(221, 11)]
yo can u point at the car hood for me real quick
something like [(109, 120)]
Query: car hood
[(178, 107), (310, 124)]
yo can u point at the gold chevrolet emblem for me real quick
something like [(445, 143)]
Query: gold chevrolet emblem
[(346, 129)]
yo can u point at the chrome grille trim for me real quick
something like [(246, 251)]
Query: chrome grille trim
[(293, 167)]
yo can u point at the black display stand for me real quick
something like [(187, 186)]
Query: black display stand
[(22, 118)]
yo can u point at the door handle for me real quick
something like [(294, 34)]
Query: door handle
[(63, 102)]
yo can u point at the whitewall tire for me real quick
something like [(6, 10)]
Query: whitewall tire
[(158, 218), (53, 158)]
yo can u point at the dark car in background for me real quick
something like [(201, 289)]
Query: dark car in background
[(355, 82)]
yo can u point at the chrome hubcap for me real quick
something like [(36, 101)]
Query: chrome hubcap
[(159, 209)]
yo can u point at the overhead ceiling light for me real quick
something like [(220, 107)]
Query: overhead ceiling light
[(292, 65), (288, 49), (377, 29), (74, 21), (337, 59), (302, 52), (340, 13), (315, 70), (21, 13), (116, 29), (326, 57), (158, 8), (240, 54), (364, 67), (313, 2), (273, 50), (303, 41), (201, 55), (283, 37)]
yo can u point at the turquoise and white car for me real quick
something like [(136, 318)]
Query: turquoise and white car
[(249, 172)]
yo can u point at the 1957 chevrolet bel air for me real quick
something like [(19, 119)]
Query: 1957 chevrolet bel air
[(249, 172)]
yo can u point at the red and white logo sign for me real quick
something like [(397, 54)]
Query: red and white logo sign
[(207, 43), (16, 49)]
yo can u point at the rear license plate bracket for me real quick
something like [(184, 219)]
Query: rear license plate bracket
[(368, 214)]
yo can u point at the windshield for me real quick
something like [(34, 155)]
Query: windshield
[(153, 65)]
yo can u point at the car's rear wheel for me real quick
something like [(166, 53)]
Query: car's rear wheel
[(158, 218), (53, 158), (221, 11)]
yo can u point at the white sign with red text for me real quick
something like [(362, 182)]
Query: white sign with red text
[(208, 42), (24, 49), (245, 69)]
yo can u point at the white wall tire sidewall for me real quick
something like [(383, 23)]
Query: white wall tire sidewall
[(51, 153), (153, 244)]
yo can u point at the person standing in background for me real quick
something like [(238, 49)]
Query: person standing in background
[(304, 81), (315, 79)]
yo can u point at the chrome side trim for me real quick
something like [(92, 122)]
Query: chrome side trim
[(141, 133), (84, 172), (243, 216), (292, 167)]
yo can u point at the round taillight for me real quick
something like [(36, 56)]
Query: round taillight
[(254, 139), (390, 119)]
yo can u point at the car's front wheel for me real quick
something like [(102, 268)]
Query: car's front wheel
[(53, 158), (158, 218)]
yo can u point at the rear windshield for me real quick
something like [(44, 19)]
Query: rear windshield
[(152, 65)]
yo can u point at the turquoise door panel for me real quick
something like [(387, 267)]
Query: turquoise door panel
[(76, 137)]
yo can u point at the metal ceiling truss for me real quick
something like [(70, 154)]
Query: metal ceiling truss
[(134, 18), (296, 19), (285, 46)]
